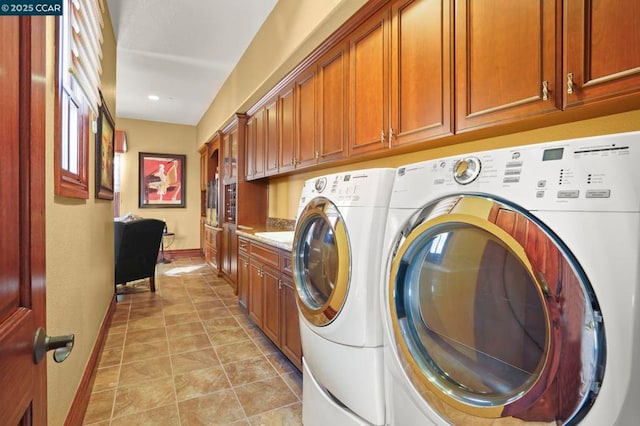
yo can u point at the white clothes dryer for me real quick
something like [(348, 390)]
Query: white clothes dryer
[(512, 283), (336, 257)]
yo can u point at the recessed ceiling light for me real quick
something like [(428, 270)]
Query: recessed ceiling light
[(153, 97)]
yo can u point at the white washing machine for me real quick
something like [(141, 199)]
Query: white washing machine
[(336, 257), (511, 286)]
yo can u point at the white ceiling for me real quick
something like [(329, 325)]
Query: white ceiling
[(179, 50)]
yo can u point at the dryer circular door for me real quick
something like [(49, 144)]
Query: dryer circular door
[(321, 261), (492, 317)]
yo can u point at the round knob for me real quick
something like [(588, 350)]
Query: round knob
[(466, 170), (320, 184)]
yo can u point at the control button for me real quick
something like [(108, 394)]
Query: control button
[(511, 172), (539, 194), (598, 193), (574, 193), (512, 164), (511, 179), (542, 183), (466, 170)]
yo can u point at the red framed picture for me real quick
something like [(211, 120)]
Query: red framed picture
[(161, 180)]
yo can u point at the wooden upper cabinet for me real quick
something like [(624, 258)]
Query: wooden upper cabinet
[(203, 167), (306, 132), (421, 77), (260, 144), (601, 50), (256, 149), (271, 138), (332, 103), (250, 150), (230, 157), (286, 114), (369, 84), (506, 61)]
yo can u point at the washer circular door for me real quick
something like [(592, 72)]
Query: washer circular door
[(492, 317), (321, 261)]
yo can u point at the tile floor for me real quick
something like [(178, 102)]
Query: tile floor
[(188, 355)]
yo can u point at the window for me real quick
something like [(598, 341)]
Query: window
[(79, 51)]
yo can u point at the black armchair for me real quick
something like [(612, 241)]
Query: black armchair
[(136, 250)]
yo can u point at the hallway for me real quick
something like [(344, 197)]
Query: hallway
[(188, 355)]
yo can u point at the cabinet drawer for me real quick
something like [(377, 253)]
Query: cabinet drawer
[(243, 246), (265, 254), (285, 262)]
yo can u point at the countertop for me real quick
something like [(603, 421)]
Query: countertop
[(248, 232)]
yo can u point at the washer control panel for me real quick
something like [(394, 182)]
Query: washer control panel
[(466, 170)]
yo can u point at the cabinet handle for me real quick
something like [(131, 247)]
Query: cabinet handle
[(293, 161), (279, 284), (545, 90), (570, 83), (392, 135), (317, 154), (382, 136)]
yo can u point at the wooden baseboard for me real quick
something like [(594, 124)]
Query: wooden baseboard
[(180, 254), (80, 402)]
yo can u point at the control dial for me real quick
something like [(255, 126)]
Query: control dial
[(320, 184), (466, 170)]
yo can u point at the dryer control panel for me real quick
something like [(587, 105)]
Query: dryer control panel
[(590, 174), (358, 188)]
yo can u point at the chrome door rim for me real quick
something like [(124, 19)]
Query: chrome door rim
[(472, 210), (321, 208)]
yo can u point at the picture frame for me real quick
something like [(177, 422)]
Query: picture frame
[(161, 180), (105, 142)]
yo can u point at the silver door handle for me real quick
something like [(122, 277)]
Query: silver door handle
[(60, 345)]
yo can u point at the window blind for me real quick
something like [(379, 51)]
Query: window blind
[(86, 47)]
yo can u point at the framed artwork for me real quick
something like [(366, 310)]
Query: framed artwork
[(105, 141), (161, 180)]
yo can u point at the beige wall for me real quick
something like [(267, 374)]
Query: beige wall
[(79, 251), (150, 136), (284, 193)]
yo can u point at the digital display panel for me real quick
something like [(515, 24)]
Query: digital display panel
[(552, 154)]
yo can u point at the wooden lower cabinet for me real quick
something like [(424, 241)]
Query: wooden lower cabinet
[(265, 288), (271, 303), (211, 244), (243, 279), (256, 290), (290, 343)]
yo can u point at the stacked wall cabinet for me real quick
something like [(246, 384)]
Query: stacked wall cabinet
[(406, 75)]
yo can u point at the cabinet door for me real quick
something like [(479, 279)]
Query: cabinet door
[(601, 49), (421, 89), (306, 100), (333, 97), (233, 143), (259, 148), (271, 139), (369, 85), (255, 292), (290, 342), (271, 305), (243, 280), (203, 168), (233, 258), (226, 249), (505, 57), (250, 151), (286, 113)]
